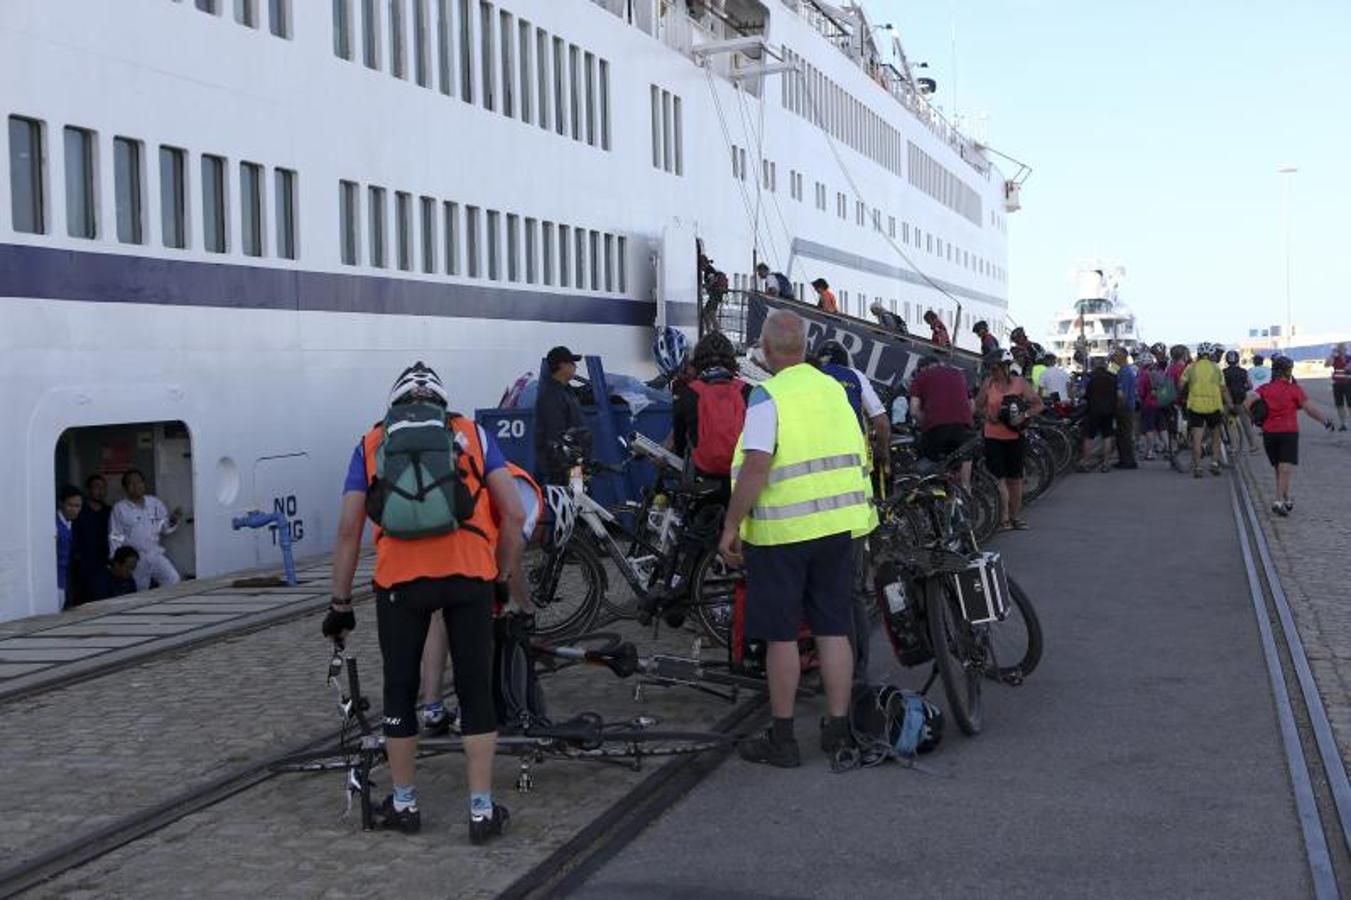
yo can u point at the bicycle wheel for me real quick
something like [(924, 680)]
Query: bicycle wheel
[(712, 594), (985, 491), (956, 654), (1062, 450), (1015, 643), (1036, 475), (567, 592)]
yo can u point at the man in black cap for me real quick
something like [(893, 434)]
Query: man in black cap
[(556, 410)]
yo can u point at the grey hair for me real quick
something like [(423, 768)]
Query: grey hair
[(784, 334)]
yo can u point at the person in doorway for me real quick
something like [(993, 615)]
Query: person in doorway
[(1126, 402), (799, 496), (115, 578), (68, 506), (1259, 373), (1100, 389), (557, 411), (825, 297), (1340, 363), (1005, 445), (988, 342), (138, 521), (938, 332), (460, 573), (1280, 428), (773, 284), (91, 537), (888, 319), (1203, 386), (940, 404)]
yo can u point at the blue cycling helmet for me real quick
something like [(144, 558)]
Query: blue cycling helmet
[(670, 347)]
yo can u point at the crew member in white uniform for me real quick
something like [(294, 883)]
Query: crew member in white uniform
[(138, 521)]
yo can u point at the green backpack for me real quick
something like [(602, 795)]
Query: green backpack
[(1162, 387), (418, 490)]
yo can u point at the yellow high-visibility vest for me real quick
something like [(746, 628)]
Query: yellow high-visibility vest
[(818, 480)]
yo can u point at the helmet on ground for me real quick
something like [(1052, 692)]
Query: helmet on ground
[(902, 720), (831, 352), (418, 383), (670, 347), (1282, 365), (564, 511), (1231, 357)]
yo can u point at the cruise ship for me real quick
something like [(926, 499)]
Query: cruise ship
[(1099, 319), (227, 224)]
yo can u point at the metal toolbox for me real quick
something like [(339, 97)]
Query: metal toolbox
[(983, 589)]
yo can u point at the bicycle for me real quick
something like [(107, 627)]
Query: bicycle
[(525, 731), (668, 558)]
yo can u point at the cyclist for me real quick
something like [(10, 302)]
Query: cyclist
[(1126, 400), (1202, 384), (1054, 382), (708, 416), (988, 341), (800, 494), (1340, 363), (1260, 373), (1151, 416), (453, 571), (868, 407), (1007, 402), (940, 403), (938, 332), (1280, 429), (1100, 392), (1237, 386)]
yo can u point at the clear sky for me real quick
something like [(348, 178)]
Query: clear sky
[(1154, 129)]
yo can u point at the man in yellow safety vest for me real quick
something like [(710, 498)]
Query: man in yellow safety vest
[(800, 494)]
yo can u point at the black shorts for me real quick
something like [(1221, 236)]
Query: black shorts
[(943, 440), (403, 616), (1004, 458), (1100, 426), (1282, 447), (1341, 393), (1204, 420), (785, 580)]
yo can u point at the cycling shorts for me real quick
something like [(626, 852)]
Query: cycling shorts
[(1100, 426), (942, 441), (403, 615), (1281, 447), (1004, 458), (1341, 394), (1204, 420)]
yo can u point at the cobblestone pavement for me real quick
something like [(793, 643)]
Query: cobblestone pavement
[(1312, 552)]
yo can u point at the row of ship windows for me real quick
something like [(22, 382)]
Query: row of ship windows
[(246, 12), (668, 132), (522, 72), (934, 179), (444, 237), (809, 93), (769, 178), (82, 154)]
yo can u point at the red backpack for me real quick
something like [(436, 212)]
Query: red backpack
[(722, 412)]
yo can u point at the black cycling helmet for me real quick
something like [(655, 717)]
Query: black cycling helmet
[(1158, 349), (1017, 333), (1282, 365), (1231, 357), (831, 352), (1258, 359), (980, 327)]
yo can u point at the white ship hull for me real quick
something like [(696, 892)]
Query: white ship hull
[(277, 365)]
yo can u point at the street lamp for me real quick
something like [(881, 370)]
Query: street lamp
[(1287, 169)]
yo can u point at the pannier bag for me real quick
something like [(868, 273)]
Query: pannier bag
[(891, 723), (983, 589), (418, 490), (746, 656), (905, 626)]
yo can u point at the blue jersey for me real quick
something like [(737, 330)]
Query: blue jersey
[(853, 388)]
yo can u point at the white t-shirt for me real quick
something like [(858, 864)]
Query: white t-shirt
[(761, 430), (1055, 380), (872, 404)]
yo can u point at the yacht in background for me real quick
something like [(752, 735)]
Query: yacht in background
[(1099, 319)]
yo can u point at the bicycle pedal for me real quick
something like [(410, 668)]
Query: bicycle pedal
[(524, 781)]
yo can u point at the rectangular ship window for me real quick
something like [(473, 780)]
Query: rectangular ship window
[(348, 232), (589, 77), (525, 48), (623, 270), (397, 64), (486, 54), (376, 201), (251, 209), (609, 262), (531, 251), (245, 14), (173, 195), (494, 226), (284, 186), (542, 67), (370, 33), (451, 215), (81, 190), (129, 180), (605, 104), (279, 17), (546, 244), (342, 29), (26, 190), (579, 260), (564, 249), (560, 87), (207, 6), (595, 260), (466, 53), (506, 33), (667, 130), (215, 215), (473, 261), (421, 55), (428, 208), (656, 130), (575, 90), (513, 247), (678, 136), (443, 61), (403, 228)]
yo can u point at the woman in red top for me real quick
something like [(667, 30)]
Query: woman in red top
[(1280, 429), (1340, 363), (1004, 442)]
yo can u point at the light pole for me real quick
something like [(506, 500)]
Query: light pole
[(1287, 169)]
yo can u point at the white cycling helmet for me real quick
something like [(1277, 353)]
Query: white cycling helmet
[(670, 347), (418, 382), (564, 511)]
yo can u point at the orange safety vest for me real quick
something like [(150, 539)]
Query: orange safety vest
[(470, 551)]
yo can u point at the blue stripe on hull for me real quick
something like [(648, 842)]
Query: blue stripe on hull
[(48, 273)]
